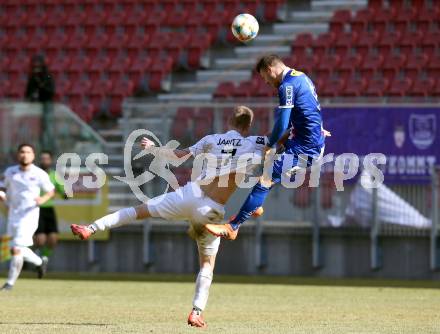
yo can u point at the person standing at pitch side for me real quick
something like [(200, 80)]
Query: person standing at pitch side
[(298, 109)]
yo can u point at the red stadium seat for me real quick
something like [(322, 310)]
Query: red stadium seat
[(120, 64), (426, 17), (35, 19), (176, 43), (414, 65), (95, 43), (180, 125), (327, 64), (375, 5), (339, 20), (349, 63), (366, 41), (430, 42), (434, 67), (399, 87), (322, 43), (59, 63), (176, 18), (158, 71), (332, 87), (36, 42), (387, 42), (409, 42), (359, 22), (136, 42), (79, 88), (370, 65), (382, 18), (403, 19), (344, 42), (158, 41), (76, 41), (392, 65), (302, 43), (197, 46), (138, 67), (18, 63), (271, 8), (422, 87), (154, 21), (354, 86), (436, 89), (75, 18), (77, 67), (62, 87), (97, 66), (115, 42), (224, 90), (55, 43), (376, 87)]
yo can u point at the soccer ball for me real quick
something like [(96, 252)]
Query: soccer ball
[(245, 27)]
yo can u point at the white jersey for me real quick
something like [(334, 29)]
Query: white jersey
[(22, 187), (228, 152)]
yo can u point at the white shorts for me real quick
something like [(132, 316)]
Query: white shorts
[(21, 229), (190, 203)]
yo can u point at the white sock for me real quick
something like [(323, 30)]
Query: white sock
[(118, 218), (30, 256), (203, 283), (15, 268)]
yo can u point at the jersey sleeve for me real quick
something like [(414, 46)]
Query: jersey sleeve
[(200, 147), (285, 95), (4, 180), (45, 183)]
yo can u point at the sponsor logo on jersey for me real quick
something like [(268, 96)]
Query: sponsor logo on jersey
[(260, 140), (233, 142), (289, 95)]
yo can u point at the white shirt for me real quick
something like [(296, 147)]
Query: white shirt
[(22, 187), (226, 150)]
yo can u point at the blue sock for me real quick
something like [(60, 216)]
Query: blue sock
[(254, 200)]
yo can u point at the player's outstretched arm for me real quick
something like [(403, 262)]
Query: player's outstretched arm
[(43, 199), (177, 153)]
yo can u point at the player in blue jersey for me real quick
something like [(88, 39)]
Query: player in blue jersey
[(298, 109)]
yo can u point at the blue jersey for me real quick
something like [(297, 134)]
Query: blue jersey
[(299, 105)]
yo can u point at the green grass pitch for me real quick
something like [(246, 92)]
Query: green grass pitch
[(161, 303)]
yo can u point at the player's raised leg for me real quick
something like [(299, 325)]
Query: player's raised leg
[(115, 219)]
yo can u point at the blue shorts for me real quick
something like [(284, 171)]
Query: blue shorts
[(295, 155)]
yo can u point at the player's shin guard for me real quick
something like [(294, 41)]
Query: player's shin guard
[(30, 256), (203, 283), (15, 268), (254, 200), (118, 218)]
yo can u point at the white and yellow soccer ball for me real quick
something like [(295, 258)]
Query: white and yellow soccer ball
[(245, 27)]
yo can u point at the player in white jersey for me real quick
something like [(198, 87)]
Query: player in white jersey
[(201, 201), (23, 184)]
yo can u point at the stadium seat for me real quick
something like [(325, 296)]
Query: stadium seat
[(382, 18), (97, 66), (62, 85), (224, 90), (271, 8), (55, 43), (434, 67), (158, 41), (302, 43), (119, 65), (370, 64), (36, 42), (327, 64), (425, 18), (198, 44), (349, 63), (76, 41), (158, 71), (339, 20), (344, 42), (138, 67), (116, 41), (58, 63), (179, 127), (430, 43), (366, 41), (376, 87), (176, 18), (354, 86), (360, 21), (387, 42), (35, 19), (409, 41), (137, 42), (435, 91), (422, 87), (331, 88), (414, 65), (177, 41), (322, 43), (392, 64), (77, 67), (403, 19), (399, 87)]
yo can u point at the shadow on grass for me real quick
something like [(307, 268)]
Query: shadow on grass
[(278, 280)]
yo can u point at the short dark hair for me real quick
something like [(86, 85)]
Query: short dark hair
[(25, 145), (46, 152), (266, 61)]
